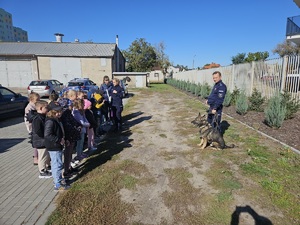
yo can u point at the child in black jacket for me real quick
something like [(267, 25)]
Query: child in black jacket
[(93, 124), (54, 141), (37, 119)]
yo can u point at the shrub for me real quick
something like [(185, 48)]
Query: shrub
[(227, 99), (241, 103), (177, 83), (181, 85), (192, 88), (292, 105), (187, 86), (205, 90), (256, 101), (234, 95), (198, 90), (275, 112)]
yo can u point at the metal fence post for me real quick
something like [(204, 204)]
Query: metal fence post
[(232, 78), (252, 78), (284, 73)]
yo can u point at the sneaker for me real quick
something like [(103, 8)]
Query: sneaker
[(62, 187), (67, 175), (73, 170), (76, 158), (45, 174), (70, 172), (48, 168), (73, 164), (84, 155), (93, 148)]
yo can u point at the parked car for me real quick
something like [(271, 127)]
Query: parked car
[(124, 86), (81, 84), (11, 103), (45, 87)]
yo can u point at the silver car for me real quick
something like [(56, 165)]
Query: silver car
[(45, 87)]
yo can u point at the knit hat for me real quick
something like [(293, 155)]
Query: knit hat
[(87, 104)]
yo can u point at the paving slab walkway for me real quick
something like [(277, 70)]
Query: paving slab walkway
[(24, 198)]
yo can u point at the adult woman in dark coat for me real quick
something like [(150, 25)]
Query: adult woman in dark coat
[(117, 103)]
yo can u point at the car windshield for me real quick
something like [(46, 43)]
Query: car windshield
[(38, 83), (71, 84)]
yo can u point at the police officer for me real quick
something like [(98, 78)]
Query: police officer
[(215, 100)]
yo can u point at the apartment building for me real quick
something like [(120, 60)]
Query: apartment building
[(8, 32)]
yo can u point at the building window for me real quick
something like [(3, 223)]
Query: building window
[(156, 75)]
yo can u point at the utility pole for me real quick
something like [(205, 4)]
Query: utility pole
[(193, 60)]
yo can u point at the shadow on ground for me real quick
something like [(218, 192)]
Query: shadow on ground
[(259, 220), (224, 126), (114, 143), (6, 122), (9, 142)]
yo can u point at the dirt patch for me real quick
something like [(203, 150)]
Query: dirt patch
[(185, 191)]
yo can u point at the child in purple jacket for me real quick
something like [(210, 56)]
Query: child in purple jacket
[(79, 115)]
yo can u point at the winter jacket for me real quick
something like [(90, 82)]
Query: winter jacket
[(81, 119), (98, 101), (105, 87), (116, 98), (30, 106), (53, 134), (37, 121), (90, 118), (71, 126)]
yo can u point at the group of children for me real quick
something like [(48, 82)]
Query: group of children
[(62, 125)]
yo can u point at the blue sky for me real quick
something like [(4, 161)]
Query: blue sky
[(192, 30)]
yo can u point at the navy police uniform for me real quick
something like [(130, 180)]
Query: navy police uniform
[(215, 101)]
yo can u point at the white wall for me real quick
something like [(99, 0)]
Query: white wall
[(16, 73), (268, 77)]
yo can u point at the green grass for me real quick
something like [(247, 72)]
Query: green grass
[(260, 173)]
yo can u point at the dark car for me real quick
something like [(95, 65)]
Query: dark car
[(81, 84), (11, 103)]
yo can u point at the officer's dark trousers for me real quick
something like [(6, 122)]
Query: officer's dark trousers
[(117, 111), (215, 122)]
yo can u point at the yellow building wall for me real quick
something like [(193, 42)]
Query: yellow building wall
[(44, 68), (96, 68)]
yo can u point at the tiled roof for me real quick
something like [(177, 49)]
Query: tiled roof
[(57, 49)]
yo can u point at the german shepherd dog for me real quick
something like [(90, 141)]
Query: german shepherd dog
[(208, 134)]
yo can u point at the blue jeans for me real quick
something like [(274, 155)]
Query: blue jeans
[(56, 166), (79, 144)]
